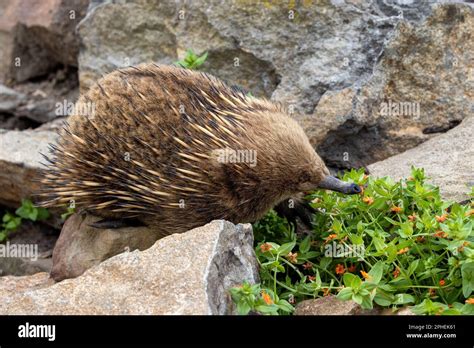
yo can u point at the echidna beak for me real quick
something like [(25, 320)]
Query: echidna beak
[(334, 184)]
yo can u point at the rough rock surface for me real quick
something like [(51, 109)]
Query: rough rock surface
[(187, 273), (20, 160), (350, 56), (421, 85), (9, 99), (37, 35), (81, 246), (329, 305), (33, 238), (333, 306), (448, 160)]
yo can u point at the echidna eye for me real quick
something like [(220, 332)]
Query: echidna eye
[(304, 177)]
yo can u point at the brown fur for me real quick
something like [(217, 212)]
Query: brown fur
[(137, 112)]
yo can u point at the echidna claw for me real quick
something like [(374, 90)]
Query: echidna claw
[(116, 223)]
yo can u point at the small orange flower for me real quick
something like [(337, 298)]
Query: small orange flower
[(412, 218), (368, 200), (470, 300), (440, 234), (265, 247), (292, 257), (441, 218), (396, 209), (331, 237), (366, 275), (326, 292), (396, 273), (465, 244), (312, 278), (351, 268), (470, 212), (442, 282), (307, 265), (266, 297), (340, 269), (403, 251)]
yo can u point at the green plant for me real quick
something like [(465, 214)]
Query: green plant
[(395, 244), (69, 211), (253, 298), (11, 222), (191, 60)]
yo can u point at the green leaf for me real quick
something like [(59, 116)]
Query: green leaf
[(267, 309), (305, 245), (325, 262), (403, 299), (376, 272), (351, 280), (357, 298), (406, 230), (367, 303), (43, 214), (383, 298), (345, 294), (285, 306), (286, 248), (412, 267), (243, 308), (467, 271)]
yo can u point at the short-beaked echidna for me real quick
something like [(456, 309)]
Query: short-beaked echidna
[(175, 149)]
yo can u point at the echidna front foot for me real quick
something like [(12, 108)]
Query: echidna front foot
[(117, 223), (294, 208)]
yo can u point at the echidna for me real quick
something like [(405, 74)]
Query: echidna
[(175, 149)]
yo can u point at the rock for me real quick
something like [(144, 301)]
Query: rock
[(330, 305), (334, 63), (421, 85), (447, 159), (28, 250), (9, 99), (36, 36), (19, 266), (81, 246), (52, 97), (405, 311), (20, 161), (187, 273)]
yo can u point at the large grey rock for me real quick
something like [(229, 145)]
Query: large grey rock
[(20, 161), (350, 56), (37, 35), (187, 273), (9, 99), (421, 85), (448, 160)]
